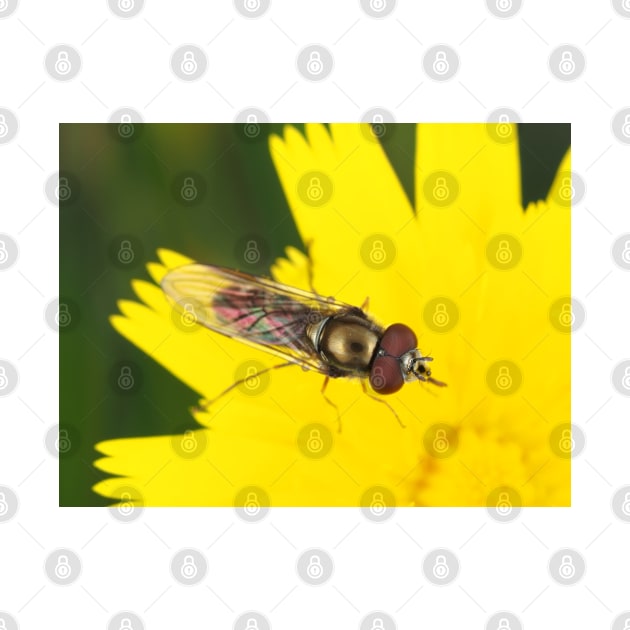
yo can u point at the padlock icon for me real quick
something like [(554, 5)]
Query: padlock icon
[(125, 378), (625, 254), (378, 5), (4, 381), (188, 316), (626, 623), (315, 443), (63, 191), (567, 191), (189, 569), (252, 128), (440, 441), (63, 443), (315, 569), (625, 506), (567, 568), (252, 505), (126, 5), (315, 191), (4, 254), (125, 624), (252, 5), (3, 625), (62, 64), (440, 568), (189, 442), (252, 254), (504, 5), (377, 505), (63, 570), (4, 128), (625, 381), (567, 317), (314, 64), (378, 125), (440, 189), (125, 507), (625, 128), (440, 63), (252, 380), (126, 253), (504, 505), (503, 126), (189, 190), (125, 127), (504, 624), (504, 254), (62, 316), (377, 624), (441, 317), (4, 506), (252, 624), (567, 63), (504, 378), (378, 255), (567, 443), (189, 63)]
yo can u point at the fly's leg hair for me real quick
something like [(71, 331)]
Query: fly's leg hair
[(384, 402), (331, 403), (207, 403)]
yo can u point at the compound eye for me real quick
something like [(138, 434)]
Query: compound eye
[(398, 339), (385, 375)]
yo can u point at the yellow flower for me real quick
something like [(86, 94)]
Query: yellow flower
[(484, 285)]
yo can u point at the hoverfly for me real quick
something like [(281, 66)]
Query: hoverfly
[(320, 334)]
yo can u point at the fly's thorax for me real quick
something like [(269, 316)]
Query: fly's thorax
[(347, 342)]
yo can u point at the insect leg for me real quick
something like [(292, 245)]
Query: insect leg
[(377, 399), (204, 406), (331, 403), (366, 304)]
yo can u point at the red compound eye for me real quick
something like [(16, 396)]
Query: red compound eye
[(385, 375), (398, 339)]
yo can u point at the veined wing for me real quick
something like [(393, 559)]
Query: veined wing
[(260, 312)]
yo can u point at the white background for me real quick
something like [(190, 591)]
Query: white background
[(251, 62)]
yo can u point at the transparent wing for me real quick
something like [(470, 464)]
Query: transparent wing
[(260, 312)]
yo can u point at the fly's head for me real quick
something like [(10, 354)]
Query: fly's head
[(398, 361)]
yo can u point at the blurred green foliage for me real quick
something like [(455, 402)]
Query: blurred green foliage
[(126, 192)]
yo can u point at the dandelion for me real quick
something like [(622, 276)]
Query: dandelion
[(484, 284)]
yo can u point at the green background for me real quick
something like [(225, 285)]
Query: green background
[(128, 188)]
